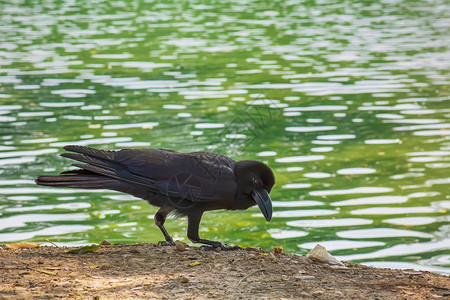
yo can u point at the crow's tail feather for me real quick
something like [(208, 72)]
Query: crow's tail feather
[(78, 179), (105, 164)]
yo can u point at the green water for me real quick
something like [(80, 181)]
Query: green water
[(346, 101)]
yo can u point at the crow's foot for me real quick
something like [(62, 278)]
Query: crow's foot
[(166, 243), (221, 246)]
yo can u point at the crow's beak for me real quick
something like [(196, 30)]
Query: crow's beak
[(262, 198)]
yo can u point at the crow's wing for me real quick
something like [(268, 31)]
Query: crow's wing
[(197, 176)]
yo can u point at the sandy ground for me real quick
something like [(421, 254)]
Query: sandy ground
[(148, 271)]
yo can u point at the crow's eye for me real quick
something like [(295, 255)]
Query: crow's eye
[(254, 181)]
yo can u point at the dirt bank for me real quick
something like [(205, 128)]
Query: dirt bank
[(148, 271)]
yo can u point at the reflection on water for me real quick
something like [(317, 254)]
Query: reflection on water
[(347, 102)]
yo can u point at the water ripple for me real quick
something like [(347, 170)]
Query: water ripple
[(306, 158), (341, 244), (372, 200), (22, 220), (374, 233), (50, 231), (303, 213), (358, 190), (329, 222), (401, 249)]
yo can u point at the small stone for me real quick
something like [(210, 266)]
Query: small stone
[(253, 249), (136, 261), (184, 279), (338, 267), (305, 294), (319, 253), (317, 293), (105, 243), (304, 277), (180, 246)]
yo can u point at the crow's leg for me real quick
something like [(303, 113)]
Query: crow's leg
[(192, 234), (160, 218)]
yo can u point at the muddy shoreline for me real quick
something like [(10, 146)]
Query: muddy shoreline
[(148, 271)]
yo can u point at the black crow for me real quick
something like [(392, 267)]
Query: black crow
[(187, 184)]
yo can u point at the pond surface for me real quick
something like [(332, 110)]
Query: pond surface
[(346, 101)]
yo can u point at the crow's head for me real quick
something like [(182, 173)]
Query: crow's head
[(255, 180)]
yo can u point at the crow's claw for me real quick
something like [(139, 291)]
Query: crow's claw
[(221, 246), (166, 243)]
